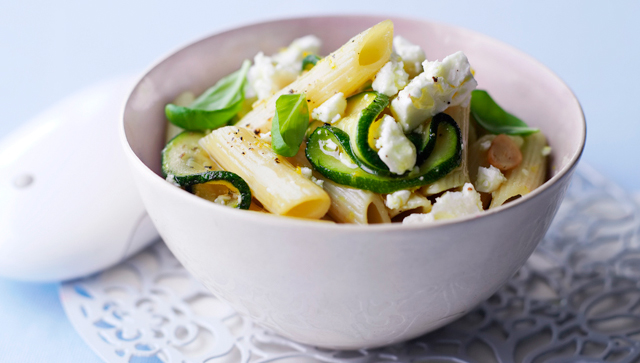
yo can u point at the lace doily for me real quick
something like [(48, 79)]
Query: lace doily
[(576, 299)]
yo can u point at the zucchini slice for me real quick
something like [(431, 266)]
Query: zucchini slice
[(183, 157), (359, 123), (222, 187), (445, 155), (425, 142), (193, 169)]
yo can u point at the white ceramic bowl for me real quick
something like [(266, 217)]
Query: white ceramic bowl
[(348, 286)]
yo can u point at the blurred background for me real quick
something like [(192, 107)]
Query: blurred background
[(52, 49)]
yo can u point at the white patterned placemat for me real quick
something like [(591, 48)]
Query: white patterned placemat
[(576, 299)]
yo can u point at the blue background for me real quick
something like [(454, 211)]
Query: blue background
[(51, 49)]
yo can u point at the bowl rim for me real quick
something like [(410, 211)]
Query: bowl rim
[(283, 221)]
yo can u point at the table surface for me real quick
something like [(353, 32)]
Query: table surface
[(51, 49)]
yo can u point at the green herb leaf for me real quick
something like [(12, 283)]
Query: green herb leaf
[(289, 124), (215, 107), (309, 61), (494, 119)]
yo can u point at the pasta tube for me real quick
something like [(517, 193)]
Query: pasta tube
[(273, 180), (344, 70), (349, 205), (527, 176), (460, 175)]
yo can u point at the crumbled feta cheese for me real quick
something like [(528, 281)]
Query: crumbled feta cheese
[(489, 179), (266, 137), (412, 55), (546, 151), (307, 44), (249, 92), (268, 75), (391, 78), (308, 173), (318, 182), (397, 200), (305, 172), (419, 218), (394, 148), (441, 85), (450, 205), (331, 110)]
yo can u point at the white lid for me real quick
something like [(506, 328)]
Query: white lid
[(68, 205)]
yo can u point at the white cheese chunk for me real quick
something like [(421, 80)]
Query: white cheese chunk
[(391, 78), (331, 110), (441, 85), (412, 55), (397, 200), (306, 172), (450, 205), (268, 75), (489, 179), (318, 182), (394, 148)]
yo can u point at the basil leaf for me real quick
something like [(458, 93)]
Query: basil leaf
[(215, 107), (494, 119), (309, 61), (289, 124)]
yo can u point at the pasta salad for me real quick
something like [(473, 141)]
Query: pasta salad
[(371, 133)]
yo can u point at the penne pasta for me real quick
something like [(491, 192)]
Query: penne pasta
[(460, 175), (273, 180), (472, 134), (349, 205), (344, 70), (527, 176)]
